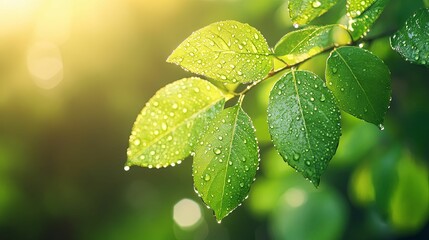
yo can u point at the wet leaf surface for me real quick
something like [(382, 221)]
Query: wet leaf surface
[(360, 82), (227, 51), (303, 11), (411, 41), (304, 123), (356, 7), (168, 127), (226, 161), (359, 24), (300, 45)]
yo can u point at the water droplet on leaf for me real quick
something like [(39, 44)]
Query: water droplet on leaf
[(217, 151), (207, 177), (296, 156), (316, 4)]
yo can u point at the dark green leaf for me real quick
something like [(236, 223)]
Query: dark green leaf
[(361, 83), (168, 127), (411, 41), (226, 161), (303, 11), (300, 45), (304, 123), (359, 24), (226, 51)]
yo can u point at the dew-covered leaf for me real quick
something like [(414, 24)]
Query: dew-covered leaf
[(360, 82), (359, 24), (357, 7), (303, 11), (304, 123), (412, 40), (226, 161), (168, 127), (300, 45), (227, 51)]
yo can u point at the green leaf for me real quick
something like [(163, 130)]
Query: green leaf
[(226, 161), (411, 41), (226, 51), (359, 25), (304, 123), (303, 11), (300, 45), (168, 127), (357, 7), (361, 83)]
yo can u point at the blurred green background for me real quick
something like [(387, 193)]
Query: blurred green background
[(74, 74)]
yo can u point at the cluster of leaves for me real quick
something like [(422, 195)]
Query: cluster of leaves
[(188, 117)]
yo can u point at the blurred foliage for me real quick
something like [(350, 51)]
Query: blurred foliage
[(67, 108)]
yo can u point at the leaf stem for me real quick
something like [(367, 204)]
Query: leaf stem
[(249, 87), (287, 66), (240, 99)]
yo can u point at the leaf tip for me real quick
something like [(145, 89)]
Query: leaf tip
[(314, 178), (170, 58), (129, 163), (315, 181), (174, 57), (219, 215)]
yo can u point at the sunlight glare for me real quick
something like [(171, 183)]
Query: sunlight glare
[(15, 14), (295, 197), (45, 64), (54, 22), (186, 213)]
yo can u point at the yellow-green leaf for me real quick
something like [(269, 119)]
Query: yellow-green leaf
[(300, 45), (168, 127), (303, 11), (227, 51)]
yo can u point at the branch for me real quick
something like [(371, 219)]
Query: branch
[(287, 66)]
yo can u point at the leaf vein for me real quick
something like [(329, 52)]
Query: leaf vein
[(357, 81)]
